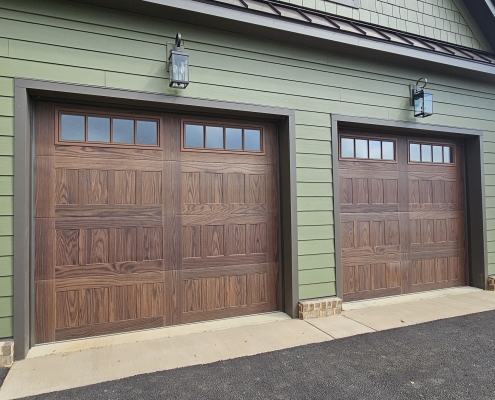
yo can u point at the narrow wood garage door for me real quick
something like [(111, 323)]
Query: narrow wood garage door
[(402, 214), (145, 220)]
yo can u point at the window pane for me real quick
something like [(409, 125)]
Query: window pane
[(214, 137), (361, 148), (437, 154), (194, 136), (388, 150), (123, 130), (347, 147), (147, 132), (447, 155), (233, 138), (426, 153), (414, 153), (72, 127), (375, 149), (98, 129), (252, 139)]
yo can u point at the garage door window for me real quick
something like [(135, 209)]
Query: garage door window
[(372, 149), (98, 129), (430, 153), (222, 138)]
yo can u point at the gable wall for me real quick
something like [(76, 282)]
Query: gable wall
[(446, 20)]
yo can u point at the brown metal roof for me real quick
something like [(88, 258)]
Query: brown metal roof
[(277, 9)]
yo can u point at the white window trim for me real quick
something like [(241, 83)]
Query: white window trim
[(349, 3)]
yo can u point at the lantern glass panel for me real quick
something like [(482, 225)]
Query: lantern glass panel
[(427, 104), (179, 68), (418, 104)]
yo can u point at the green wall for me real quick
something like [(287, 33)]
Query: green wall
[(42, 40)]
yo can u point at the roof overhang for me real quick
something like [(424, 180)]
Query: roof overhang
[(230, 19), (483, 11)]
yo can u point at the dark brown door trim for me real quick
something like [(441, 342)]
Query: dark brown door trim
[(477, 258), (27, 91)]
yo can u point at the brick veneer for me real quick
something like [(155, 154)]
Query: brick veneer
[(320, 308)]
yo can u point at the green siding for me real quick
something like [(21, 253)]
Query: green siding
[(6, 126), (92, 45)]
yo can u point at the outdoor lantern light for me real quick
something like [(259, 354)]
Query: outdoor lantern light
[(178, 66), (422, 102)]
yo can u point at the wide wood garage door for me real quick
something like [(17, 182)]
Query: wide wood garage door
[(146, 220), (402, 214)]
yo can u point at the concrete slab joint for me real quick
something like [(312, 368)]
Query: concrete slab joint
[(6, 353), (320, 308), (491, 282)]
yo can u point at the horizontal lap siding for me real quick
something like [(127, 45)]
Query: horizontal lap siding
[(6, 201), (105, 48)]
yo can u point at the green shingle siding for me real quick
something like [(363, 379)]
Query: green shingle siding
[(441, 19), (121, 50)]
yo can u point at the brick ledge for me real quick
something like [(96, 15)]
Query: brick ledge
[(320, 308)]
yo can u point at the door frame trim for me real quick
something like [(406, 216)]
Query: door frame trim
[(476, 240), (27, 91)]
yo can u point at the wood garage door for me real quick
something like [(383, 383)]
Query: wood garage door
[(145, 220), (402, 214)]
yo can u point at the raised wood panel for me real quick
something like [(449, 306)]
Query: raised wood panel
[(96, 185), (236, 239), (67, 247), (402, 229), (126, 244), (151, 187), (226, 291), (190, 188), (152, 243), (236, 188), (125, 187), (97, 246), (67, 186)]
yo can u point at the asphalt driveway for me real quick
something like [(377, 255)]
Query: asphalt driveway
[(447, 359)]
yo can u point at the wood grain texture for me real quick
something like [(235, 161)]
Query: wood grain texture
[(160, 239), (402, 229)]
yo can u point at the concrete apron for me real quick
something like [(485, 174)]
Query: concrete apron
[(66, 365)]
